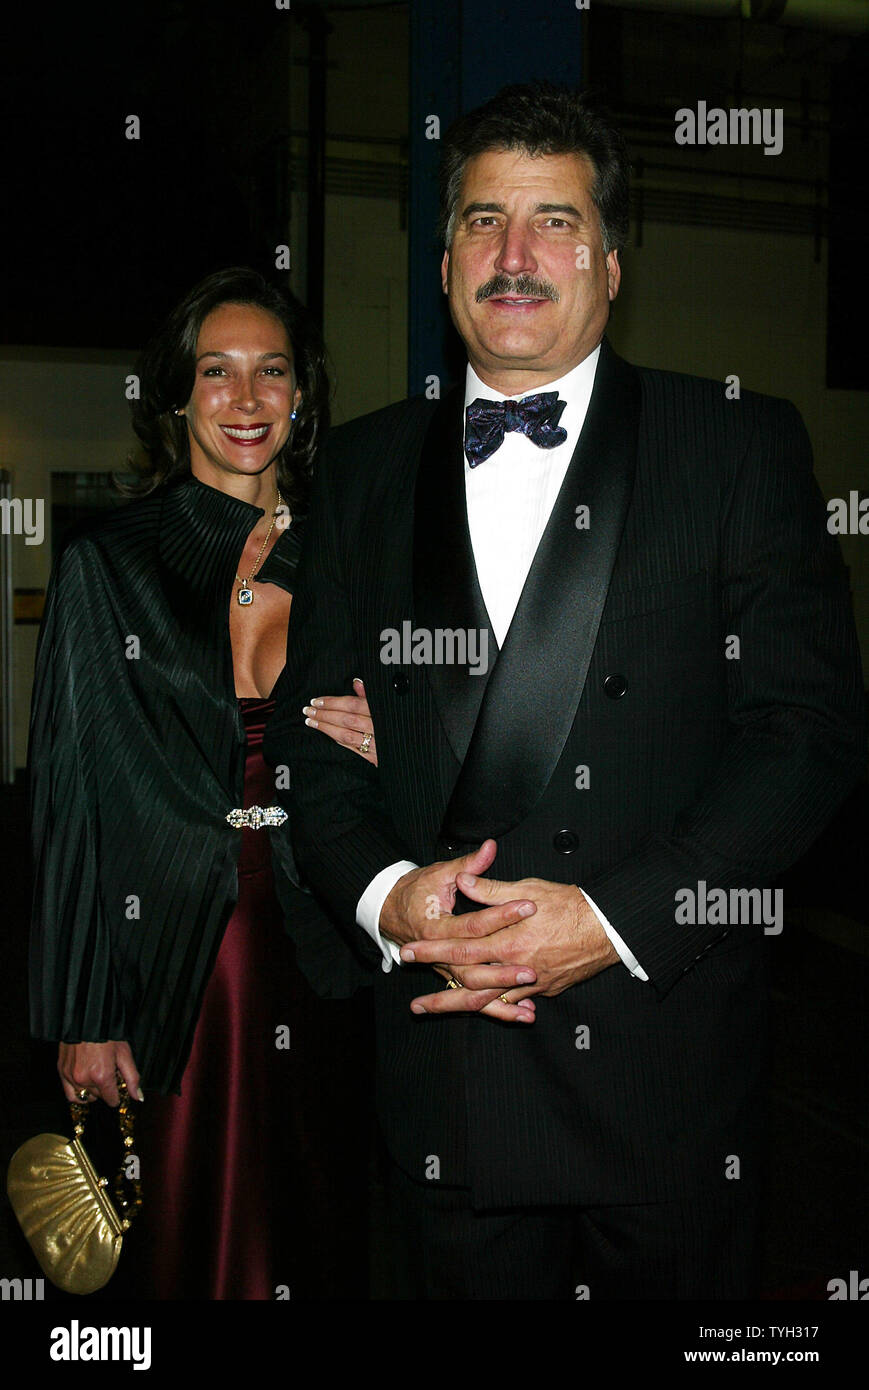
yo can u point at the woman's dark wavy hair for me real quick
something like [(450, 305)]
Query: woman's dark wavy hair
[(166, 372), (542, 118)]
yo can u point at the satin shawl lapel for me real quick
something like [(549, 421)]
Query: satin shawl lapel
[(535, 689), (446, 591)]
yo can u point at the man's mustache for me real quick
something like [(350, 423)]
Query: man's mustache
[(522, 284)]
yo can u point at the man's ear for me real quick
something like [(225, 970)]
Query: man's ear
[(445, 267), (613, 274)]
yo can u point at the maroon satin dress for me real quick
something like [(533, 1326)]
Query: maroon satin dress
[(214, 1158), (255, 1178)]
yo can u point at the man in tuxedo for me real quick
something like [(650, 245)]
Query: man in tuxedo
[(607, 646)]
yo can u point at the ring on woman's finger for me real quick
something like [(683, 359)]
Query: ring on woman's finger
[(83, 1094), (453, 983), (504, 999), (366, 743)]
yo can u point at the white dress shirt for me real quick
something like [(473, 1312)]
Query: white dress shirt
[(509, 496)]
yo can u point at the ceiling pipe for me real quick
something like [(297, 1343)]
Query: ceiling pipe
[(832, 16)]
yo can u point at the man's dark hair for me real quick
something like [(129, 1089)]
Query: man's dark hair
[(168, 365), (542, 118)]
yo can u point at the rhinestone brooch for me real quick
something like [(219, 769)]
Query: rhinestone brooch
[(255, 817)]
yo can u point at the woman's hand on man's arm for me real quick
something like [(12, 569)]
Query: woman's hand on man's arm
[(346, 719)]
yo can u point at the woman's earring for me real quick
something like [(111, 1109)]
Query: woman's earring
[(293, 416)]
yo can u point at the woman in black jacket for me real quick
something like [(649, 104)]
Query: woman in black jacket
[(161, 891)]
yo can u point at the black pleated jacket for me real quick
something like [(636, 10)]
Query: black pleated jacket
[(705, 524), (136, 755)]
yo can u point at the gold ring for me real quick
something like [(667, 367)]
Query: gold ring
[(366, 743), (453, 983), (82, 1094), (504, 999)]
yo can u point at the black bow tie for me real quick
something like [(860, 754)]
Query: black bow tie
[(536, 416)]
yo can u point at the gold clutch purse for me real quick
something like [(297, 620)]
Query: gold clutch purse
[(63, 1207)]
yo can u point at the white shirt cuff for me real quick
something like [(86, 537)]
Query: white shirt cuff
[(625, 955), (370, 905)]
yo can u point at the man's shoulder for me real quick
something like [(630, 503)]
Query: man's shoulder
[(723, 400), (402, 424), (707, 430)]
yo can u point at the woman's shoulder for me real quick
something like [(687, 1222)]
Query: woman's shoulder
[(128, 520)]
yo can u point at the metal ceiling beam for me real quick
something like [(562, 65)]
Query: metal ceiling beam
[(833, 16)]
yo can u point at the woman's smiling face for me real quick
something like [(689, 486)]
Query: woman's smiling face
[(244, 392)]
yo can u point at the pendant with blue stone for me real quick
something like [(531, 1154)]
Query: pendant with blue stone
[(245, 596)]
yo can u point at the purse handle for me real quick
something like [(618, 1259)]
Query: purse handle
[(127, 1190)]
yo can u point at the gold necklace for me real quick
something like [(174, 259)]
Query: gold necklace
[(245, 593)]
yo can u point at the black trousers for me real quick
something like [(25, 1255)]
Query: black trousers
[(700, 1248)]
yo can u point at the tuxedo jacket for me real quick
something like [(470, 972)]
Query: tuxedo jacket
[(620, 740)]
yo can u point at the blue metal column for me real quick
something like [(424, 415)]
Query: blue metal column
[(460, 55)]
